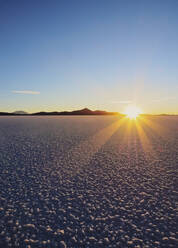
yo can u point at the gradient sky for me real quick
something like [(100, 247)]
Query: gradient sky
[(101, 54)]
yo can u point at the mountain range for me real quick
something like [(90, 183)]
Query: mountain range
[(84, 111)]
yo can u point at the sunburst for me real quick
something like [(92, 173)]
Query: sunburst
[(132, 112)]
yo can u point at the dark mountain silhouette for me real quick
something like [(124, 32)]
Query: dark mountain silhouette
[(5, 113), (20, 112), (14, 113), (84, 111)]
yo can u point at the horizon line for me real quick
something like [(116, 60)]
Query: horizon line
[(72, 112)]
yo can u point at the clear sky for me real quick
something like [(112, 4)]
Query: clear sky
[(101, 54)]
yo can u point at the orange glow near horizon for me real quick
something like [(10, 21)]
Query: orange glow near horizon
[(132, 112)]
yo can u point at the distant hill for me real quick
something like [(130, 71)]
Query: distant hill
[(5, 113), (20, 113), (84, 111)]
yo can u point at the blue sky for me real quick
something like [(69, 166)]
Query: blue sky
[(101, 54)]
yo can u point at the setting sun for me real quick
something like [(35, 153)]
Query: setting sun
[(132, 112)]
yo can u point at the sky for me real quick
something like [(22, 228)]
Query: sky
[(102, 54)]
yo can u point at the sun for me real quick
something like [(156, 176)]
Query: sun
[(132, 112)]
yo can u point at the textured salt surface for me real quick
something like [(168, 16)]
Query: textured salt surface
[(88, 182)]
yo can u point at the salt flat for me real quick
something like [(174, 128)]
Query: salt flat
[(88, 181)]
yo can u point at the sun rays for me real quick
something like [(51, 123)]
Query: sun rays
[(133, 138), (87, 149), (132, 112)]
